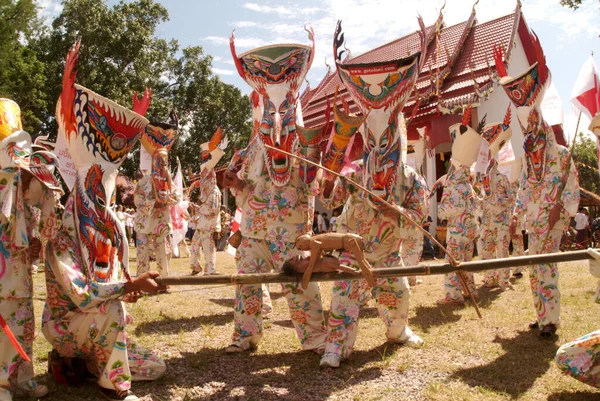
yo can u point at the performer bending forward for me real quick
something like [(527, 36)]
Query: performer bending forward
[(381, 228)]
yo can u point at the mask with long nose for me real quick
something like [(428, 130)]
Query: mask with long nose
[(276, 72), (100, 134)]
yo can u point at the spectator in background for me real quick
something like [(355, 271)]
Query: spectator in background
[(582, 225), (333, 221), (321, 222), (129, 214), (316, 223)]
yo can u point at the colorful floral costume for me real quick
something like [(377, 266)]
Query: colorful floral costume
[(380, 89), (281, 203), (580, 358), (154, 194), (17, 225), (496, 205), (458, 205), (87, 262), (544, 184), (208, 222)]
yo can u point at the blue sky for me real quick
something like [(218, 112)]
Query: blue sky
[(568, 37)]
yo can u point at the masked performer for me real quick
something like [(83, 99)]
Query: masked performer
[(581, 357), (380, 89), (282, 203), (87, 274), (458, 205), (26, 184), (209, 204), (241, 171), (494, 240), (154, 194), (549, 192), (517, 237)]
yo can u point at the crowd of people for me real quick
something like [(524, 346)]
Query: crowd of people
[(87, 265)]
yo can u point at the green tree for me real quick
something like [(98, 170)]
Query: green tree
[(120, 54), (21, 73), (573, 4), (585, 155)]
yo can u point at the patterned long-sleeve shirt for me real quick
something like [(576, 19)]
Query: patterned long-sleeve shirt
[(458, 203), (497, 207), (209, 211), (382, 235), (69, 287), (536, 199), (271, 212), (149, 218)]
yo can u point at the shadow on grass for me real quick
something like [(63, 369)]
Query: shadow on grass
[(432, 316), (173, 326), (527, 357), (578, 396), (210, 374)]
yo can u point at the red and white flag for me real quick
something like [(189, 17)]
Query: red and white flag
[(586, 94)]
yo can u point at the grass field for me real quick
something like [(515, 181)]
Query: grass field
[(464, 358)]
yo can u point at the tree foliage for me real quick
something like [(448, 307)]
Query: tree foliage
[(573, 4), (21, 73), (120, 54), (585, 155)]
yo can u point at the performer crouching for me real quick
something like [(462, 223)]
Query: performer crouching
[(26, 182), (87, 275)]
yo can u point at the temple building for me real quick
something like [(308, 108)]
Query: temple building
[(459, 70)]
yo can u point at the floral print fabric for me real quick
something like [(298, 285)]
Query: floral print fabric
[(16, 287), (383, 237), (204, 241), (85, 319), (306, 312), (580, 359), (458, 208)]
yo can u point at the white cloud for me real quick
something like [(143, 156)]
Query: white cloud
[(240, 42), (223, 71), (245, 24), (49, 9), (281, 10), (229, 61)]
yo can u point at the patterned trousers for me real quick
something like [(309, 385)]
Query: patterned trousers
[(204, 241), (100, 338), (581, 359), (544, 279), (148, 244), (461, 248), (392, 296), (494, 242), (14, 370), (518, 250), (306, 311)]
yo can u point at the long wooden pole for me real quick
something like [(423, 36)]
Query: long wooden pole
[(420, 270), (379, 198)]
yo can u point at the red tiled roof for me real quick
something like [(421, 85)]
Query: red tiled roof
[(467, 47)]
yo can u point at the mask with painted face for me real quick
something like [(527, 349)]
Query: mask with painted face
[(497, 134), (381, 90), (100, 134), (526, 91), (157, 139), (276, 72)]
